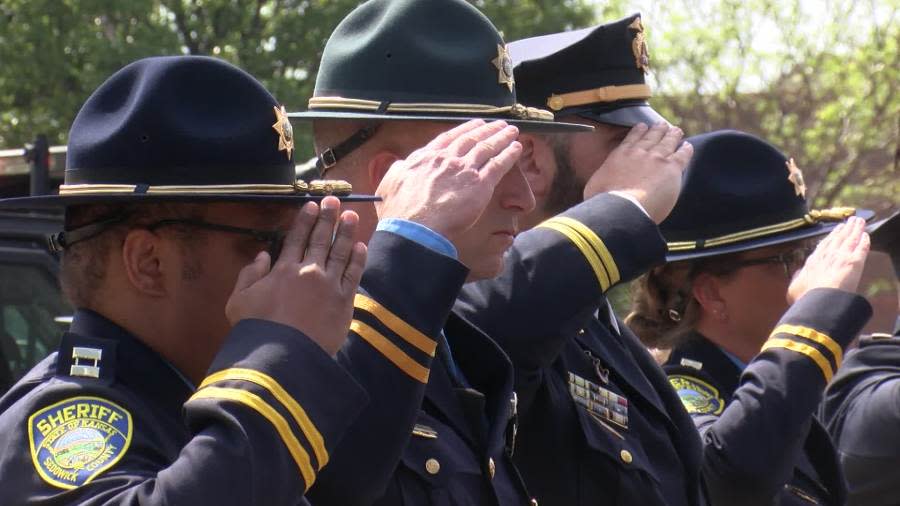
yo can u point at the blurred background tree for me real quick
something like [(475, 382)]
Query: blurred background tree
[(818, 78)]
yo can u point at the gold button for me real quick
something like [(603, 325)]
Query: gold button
[(432, 466), (626, 456), (492, 468), (580, 332)]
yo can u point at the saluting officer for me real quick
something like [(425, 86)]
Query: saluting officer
[(756, 333), (176, 180), (395, 76), (598, 422), (199, 368), (862, 403)]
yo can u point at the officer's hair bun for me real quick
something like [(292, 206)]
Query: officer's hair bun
[(663, 312)]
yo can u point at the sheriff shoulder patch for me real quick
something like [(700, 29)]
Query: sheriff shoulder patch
[(698, 397), (75, 440)]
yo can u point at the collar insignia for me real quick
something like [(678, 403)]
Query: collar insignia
[(285, 131), (504, 67), (639, 46), (795, 176)]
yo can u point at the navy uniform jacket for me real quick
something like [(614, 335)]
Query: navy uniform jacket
[(862, 412), (447, 447), (571, 449), (139, 434), (260, 428), (762, 444)]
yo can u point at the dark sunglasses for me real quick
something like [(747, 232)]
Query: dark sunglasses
[(274, 238), (791, 261)]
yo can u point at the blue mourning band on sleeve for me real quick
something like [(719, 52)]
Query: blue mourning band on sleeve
[(420, 234)]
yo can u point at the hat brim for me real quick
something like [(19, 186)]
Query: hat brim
[(59, 201), (626, 116), (809, 232), (524, 125), (885, 233)]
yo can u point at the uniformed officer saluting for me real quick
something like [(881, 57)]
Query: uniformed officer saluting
[(862, 404), (189, 376), (599, 423), (395, 75), (756, 337)]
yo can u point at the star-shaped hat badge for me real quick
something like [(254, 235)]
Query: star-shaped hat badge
[(795, 176), (285, 131), (504, 67)]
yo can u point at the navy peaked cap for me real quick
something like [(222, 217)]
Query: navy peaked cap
[(597, 73)]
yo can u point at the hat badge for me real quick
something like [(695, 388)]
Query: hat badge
[(795, 176), (285, 131), (639, 46), (504, 67)]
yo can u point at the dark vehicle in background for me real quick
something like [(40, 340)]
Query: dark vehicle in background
[(33, 312)]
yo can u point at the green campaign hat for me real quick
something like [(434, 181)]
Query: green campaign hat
[(425, 60)]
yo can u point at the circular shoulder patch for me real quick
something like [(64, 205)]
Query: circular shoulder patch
[(697, 395), (75, 440)]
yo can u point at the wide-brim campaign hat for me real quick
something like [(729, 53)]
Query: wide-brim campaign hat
[(181, 128), (741, 193), (885, 235), (597, 73), (423, 60)]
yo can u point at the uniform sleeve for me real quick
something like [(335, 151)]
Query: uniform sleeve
[(260, 431), (752, 445), (407, 294), (555, 276), (862, 412)]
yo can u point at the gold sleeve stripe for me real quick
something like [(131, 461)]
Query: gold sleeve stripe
[(805, 349), (306, 425), (281, 426), (598, 244), (397, 325), (589, 254), (814, 335), (390, 350)]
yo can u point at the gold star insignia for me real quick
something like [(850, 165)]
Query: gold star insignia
[(795, 176), (285, 131), (504, 67), (639, 46)]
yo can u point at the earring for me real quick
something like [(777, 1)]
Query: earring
[(674, 315)]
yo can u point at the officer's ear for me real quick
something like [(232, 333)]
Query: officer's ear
[(379, 165), (706, 289), (537, 163), (146, 262)]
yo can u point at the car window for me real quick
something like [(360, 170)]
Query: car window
[(32, 316)]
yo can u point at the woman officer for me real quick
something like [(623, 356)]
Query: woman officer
[(755, 335)]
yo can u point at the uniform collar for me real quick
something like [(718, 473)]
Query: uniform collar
[(126, 359)]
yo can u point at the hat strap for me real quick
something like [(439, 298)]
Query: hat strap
[(330, 156)]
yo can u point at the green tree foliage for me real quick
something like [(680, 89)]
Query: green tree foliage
[(54, 52), (816, 78)]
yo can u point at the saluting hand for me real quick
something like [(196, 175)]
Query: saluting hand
[(447, 184), (648, 164), (313, 283), (837, 262)]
